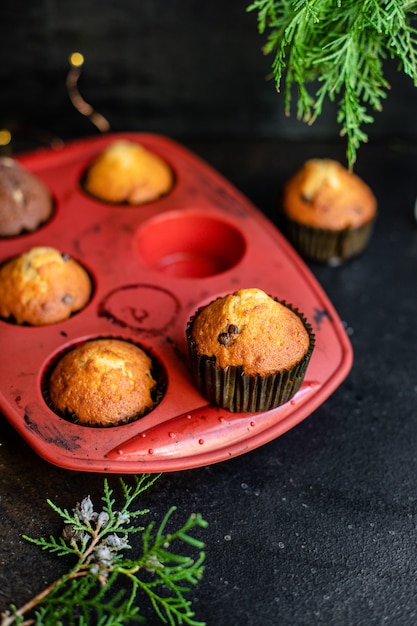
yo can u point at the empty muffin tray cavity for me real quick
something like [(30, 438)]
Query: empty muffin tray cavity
[(152, 266)]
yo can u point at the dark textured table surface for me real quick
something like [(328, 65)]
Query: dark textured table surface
[(318, 527)]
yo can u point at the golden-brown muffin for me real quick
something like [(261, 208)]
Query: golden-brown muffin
[(329, 210), (103, 382), (25, 202), (126, 172), (250, 329), (249, 352), (42, 286)]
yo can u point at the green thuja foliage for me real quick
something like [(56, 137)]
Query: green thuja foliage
[(336, 49), (104, 587)]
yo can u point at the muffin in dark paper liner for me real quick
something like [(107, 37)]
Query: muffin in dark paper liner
[(236, 386), (329, 211)]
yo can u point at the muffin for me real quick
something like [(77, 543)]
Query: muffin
[(329, 211), (42, 286), (126, 172), (25, 202), (249, 351), (103, 382)]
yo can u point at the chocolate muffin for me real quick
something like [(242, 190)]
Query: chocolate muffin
[(249, 351), (25, 202), (42, 286), (103, 382), (126, 172), (329, 211)]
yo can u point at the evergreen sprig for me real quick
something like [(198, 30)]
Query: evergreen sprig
[(102, 587), (336, 50)]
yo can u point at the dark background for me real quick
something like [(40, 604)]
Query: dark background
[(180, 67), (318, 527)]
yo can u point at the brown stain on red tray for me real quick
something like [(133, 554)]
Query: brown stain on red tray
[(148, 309), (152, 266), (48, 430)]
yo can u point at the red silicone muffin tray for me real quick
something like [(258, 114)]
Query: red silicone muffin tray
[(153, 266)]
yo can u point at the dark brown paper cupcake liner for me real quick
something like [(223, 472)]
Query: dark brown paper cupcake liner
[(325, 245), (238, 392)]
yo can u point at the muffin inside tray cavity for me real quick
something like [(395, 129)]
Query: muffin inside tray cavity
[(43, 286), (26, 204), (190, 245), (104, 382), (127, 173)]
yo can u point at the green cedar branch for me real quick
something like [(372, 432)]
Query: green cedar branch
[(336, 50), (102, 587)]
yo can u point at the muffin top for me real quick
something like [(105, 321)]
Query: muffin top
[(128, 172), (103, 382), (250, 329), (42, 286), (25, 202), (324, 194)]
